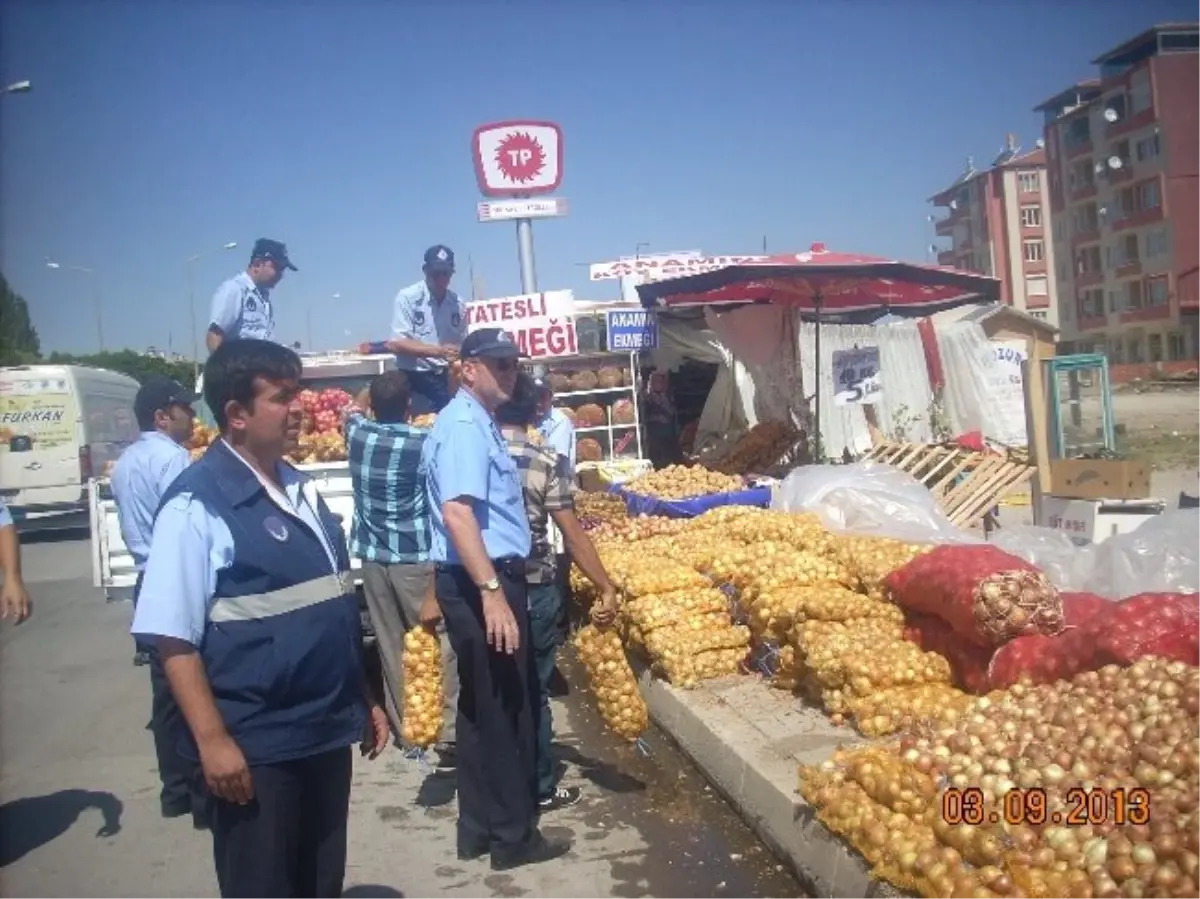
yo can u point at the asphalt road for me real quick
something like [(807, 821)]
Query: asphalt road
[(79, 805)]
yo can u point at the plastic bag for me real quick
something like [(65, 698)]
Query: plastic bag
[(868, 498), (1067, 565), (1162, 556), (1153, 624), (987, 596)]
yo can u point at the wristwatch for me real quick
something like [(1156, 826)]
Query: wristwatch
[(493, 584)]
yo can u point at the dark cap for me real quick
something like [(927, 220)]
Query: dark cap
[(439, 258), (160, 393), (491, 343), (264, 248), (541, 385)]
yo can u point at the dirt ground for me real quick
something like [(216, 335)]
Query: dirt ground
[(1161, 426)]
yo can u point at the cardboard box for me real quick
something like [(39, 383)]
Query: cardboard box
[(1100, 478)]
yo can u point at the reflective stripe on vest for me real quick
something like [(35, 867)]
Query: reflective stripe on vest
[(254, 606)]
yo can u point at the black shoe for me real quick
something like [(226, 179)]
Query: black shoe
[(563, 797), (535, 850), (447, 757), (200, 821), (468, 853), (176, 809), (140, 658)]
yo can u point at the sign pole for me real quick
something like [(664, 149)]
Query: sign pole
[(525, 256)]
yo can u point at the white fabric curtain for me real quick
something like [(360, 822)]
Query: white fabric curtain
[(903, 408), (980, 393)]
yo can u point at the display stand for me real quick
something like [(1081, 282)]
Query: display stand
[(617, 440)]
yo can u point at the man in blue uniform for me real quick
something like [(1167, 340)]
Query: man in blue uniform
[(480, 541), (14, 599), (428, 324), (248, 594), (242, 306), (140, 478)]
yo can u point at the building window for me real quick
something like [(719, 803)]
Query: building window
[(1139, 198), (1156, 292), (1028, 182), (1085, 220), (1156, 347), (1113, 302), (1116, 352), (1148, 148), (1135, 349), (1031, 216), (1139, 92), (1134, 295), (1176, 349), (1037, 287), (1148, 196), (1127, 251), (1034, 250), (1039, 314), (1156, 242), (1077, 133), (1081, 175), (1091, 304), (1089, 260)]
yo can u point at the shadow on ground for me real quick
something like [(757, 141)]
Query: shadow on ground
[(371, 890), (26, 824)]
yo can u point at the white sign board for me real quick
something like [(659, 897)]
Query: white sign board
[(856, 378), (1003, 384), (517, 158), (541, 324), (659, 268), (506, 210)]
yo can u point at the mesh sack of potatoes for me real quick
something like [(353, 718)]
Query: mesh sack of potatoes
[(604, 506), (588, 449), (640, 528), (590, 415), (612, 681), (656, 575), (687, 671), (683, 482), (659, 610), (872, 559), (681, 642), (608, 377), (803, 531), (896, 709), (423, 701), (833, 602), (717, 519), (792, 569)]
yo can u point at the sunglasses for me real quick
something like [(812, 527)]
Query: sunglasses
[(501, 365)]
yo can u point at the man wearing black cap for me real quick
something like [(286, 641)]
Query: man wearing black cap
[(428, 324), (481, 539), (143, 473), (242, 306)]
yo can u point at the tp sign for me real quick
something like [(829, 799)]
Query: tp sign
[(856, 376), (518, 159), (541, 324)]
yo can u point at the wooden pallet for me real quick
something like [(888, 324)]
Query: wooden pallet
[(966, 484)]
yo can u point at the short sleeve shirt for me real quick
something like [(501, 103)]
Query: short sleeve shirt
[(466, 459), (546, 485), (417, 316), (240, 308)]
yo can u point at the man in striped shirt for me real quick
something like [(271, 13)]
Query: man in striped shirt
[(391, 534)]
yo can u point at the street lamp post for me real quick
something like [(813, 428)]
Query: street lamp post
[(191, 276), (91, 273)]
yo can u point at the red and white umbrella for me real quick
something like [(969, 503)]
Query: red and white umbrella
[(826, 281)]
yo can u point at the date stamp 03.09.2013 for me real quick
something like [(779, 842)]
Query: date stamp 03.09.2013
[(1095, 807)]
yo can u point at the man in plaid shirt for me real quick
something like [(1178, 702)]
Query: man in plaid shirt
[(548, 491), (391, 534)]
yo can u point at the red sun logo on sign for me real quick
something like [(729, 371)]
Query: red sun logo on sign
[(520, 157)]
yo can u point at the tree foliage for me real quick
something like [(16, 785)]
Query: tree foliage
[(19, 342), (129, 362)]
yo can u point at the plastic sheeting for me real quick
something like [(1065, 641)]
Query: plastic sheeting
[(640, 504)]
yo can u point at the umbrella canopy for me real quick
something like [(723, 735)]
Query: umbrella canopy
[(833, 282)]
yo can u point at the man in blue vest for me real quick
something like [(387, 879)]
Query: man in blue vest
[(242, 306), (247, 593)]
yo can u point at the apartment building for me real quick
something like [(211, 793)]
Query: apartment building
[(998, 225), (1121, 163)]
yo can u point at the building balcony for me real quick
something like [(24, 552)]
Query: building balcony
[(1087, 192), (1148, 314), (1132, 267), (1125, 126), (1089, 279), (1137, 219), (946, 257), (1079, 150), (1085, 237), (1123, 174), (944, 227), (1092, 322)]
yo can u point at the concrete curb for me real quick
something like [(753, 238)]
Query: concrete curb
[(748, 740)]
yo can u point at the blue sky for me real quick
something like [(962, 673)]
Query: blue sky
[(159, 129)]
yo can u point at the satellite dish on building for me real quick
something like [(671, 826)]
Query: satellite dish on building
[(1114, 162), (1099, 167), (1111, 115), (954, 204), (1039, 143)]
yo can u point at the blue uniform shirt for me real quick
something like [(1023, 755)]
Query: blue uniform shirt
[(417, 317), (466, 456), (558, 432), (5, 516), (140, 478), (191, 546), (240, 308)]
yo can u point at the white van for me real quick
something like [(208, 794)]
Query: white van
[(59, 426)]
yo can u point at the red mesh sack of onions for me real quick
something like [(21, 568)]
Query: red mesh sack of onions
[(1153, 624), (1038, 659), (987, 596), (968, 662)]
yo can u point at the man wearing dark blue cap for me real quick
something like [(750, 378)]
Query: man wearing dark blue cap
[(242, 305), (428, 324), (481, 539)]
